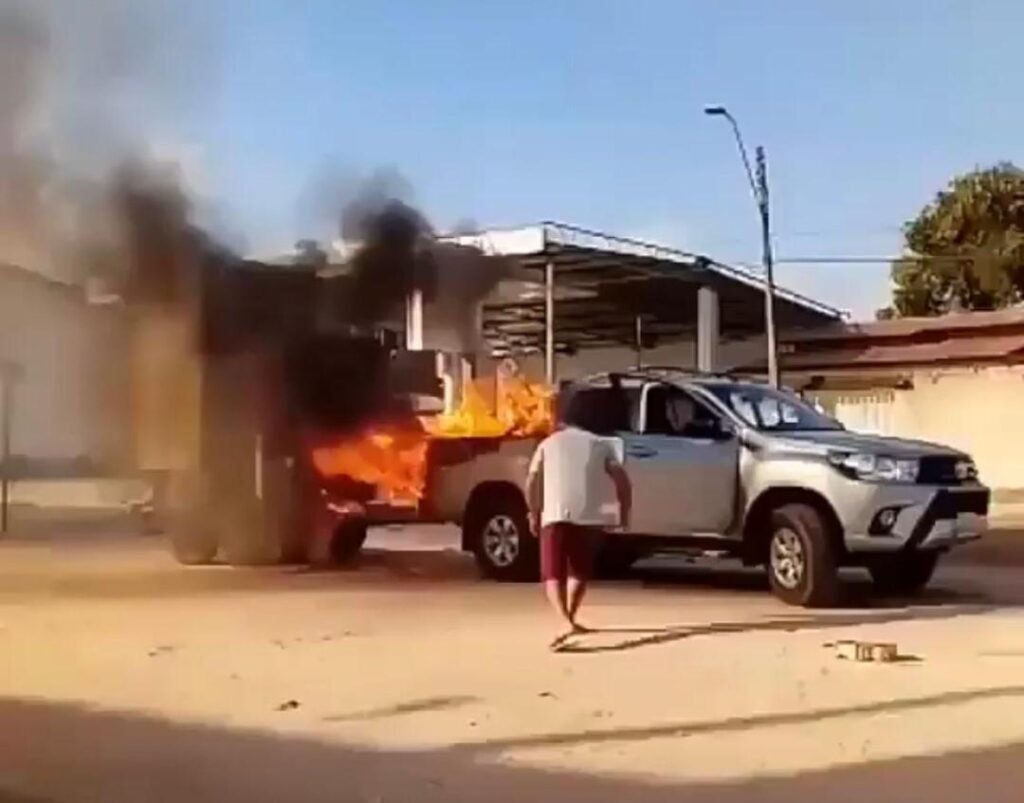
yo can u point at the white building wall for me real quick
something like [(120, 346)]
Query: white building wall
[(70, 401), (975, 410)]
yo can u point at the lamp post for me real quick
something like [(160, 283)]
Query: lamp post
[(759, 187)]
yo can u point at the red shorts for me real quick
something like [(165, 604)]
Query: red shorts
[(567, 550)]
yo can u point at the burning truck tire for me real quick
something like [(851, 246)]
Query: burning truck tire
[(340, 546), (347, 540)]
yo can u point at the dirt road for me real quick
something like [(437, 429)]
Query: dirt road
[(124, 677)]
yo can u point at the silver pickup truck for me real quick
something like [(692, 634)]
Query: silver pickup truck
[(736, 469)]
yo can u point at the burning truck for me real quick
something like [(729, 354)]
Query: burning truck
[(280, 411), (428, 471)]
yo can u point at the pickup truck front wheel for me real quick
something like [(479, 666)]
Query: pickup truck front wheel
[(802, 563), (498, 531)]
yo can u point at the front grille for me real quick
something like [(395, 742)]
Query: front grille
[(950, 505), (938, 470)]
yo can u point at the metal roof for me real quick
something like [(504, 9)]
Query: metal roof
[(603, 283), (952, 323), (969, 338)]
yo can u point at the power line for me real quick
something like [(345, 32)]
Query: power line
[(869, 260), (877, 232), (833, 260)]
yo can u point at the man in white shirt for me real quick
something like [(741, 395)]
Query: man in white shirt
[(574, 482)]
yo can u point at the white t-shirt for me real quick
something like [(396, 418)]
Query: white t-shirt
[(577, 489)]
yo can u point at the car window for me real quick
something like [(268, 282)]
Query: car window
[(608, 410), (769, 409), (773, 412), (671, 411)]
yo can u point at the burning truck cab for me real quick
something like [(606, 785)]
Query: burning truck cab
[(280, 410)]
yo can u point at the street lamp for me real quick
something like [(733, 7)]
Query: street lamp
[(759, 187)]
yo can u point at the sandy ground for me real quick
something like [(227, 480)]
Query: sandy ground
[(124, 677)]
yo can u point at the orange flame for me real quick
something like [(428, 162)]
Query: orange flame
[(391, 457), (521, 409), (394, 458)]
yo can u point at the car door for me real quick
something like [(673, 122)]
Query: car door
[(614, 411), (683, 461)]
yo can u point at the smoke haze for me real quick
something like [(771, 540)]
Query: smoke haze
[(86, 88)]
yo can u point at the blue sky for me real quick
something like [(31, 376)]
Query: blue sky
[(589, 111)]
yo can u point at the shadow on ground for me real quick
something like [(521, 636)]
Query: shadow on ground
[(649, 637), (1002, 546), (410, 707), (59, 753), (140, 566), (858, 591), (113, 567), (740, 724)]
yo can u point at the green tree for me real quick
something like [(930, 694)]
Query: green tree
[(965, 250)]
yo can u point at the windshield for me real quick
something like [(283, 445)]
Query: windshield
[(768, 409)]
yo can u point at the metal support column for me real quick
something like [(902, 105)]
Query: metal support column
[(9, 373), (414, 321), (549, 323), (639, 341), (707, 329)]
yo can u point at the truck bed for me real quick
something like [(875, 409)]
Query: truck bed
[(456, 466)]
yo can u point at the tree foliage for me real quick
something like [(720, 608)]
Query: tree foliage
[(965, 250)]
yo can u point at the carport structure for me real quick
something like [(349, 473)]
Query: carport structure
[(579, 289)]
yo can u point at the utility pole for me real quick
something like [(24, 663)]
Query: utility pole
[(759, 187), (769, 266), (550, 370)]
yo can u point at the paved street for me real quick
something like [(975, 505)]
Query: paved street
[(128, 678)]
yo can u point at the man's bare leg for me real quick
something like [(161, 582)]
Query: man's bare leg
[(577, 589), (555, 591)]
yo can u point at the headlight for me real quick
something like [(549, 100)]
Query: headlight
[(875, 468), (966, 471)]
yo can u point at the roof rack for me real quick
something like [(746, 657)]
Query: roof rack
[(675, 369), (661, 372)]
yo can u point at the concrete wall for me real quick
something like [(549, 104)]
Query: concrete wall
[(979, 411), (70, 402)]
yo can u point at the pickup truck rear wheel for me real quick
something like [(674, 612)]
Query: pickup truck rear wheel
[(904, 574), (347, 540), (802, 564), (498, 529)]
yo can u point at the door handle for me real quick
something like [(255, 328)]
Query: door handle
[(641, 451)]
